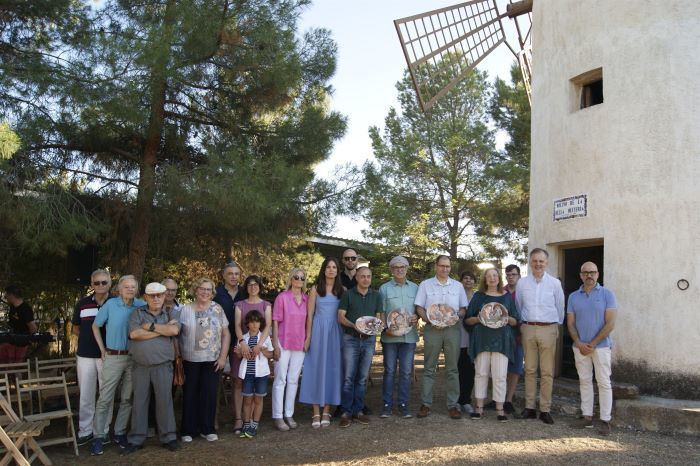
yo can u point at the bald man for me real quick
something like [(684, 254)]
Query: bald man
[(590, 317)]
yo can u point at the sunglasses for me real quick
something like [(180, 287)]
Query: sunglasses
[(297, 277), (350, 258), (103, 283)]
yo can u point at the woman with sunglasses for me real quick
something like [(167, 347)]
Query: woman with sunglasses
[(204, 342), (288, 335), (252, 287), (322, 381)]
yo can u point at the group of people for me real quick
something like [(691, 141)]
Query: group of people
[(139, 345)]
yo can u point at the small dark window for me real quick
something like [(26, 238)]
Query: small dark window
[(592, 93)]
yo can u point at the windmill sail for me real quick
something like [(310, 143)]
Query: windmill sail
[(456, 38)]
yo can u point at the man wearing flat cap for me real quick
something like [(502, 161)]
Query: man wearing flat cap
[(152, 350), (398, 294)]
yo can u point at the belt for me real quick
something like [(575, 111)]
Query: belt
[(114, 352), (541, 324), (355, 333)]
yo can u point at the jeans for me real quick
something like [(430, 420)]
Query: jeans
[(403, 352), (357, 359)]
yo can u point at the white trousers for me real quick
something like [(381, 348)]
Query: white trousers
[(89, 376), (284, 388), (495, 364), (600, 360)]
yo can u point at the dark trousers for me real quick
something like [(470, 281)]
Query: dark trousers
[(199, 398), (465, 365)]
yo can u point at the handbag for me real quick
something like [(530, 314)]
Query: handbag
[(179, 373)]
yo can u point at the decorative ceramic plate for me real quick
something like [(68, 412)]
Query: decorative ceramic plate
[(369, 325), (493, 315), (442, 315), (398, 322)]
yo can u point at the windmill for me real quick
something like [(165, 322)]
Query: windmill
[(458, 38)]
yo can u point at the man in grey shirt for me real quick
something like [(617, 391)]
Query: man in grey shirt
[(151, 348)]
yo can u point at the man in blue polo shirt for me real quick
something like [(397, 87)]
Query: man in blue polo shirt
[(89, 358), (590, 318), (114, 314), (358, 348)]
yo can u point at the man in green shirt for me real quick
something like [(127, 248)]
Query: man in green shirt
[(358, 348)]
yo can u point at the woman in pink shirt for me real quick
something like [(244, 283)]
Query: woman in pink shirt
[(288, 335)]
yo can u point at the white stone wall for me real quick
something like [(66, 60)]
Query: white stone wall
[(637, 156)]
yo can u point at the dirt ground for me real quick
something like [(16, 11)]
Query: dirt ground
[(436, 439)]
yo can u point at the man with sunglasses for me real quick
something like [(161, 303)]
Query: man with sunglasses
[(347, 276), (590, 317), (89, 359)]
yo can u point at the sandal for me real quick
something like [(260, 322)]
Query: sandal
[(237, 426), (476, 414), (316, 421), (326, 419)]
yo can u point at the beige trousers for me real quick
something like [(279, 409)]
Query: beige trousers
[(540, 346)]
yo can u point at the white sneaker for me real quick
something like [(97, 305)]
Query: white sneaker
[(186, 438), (467, 408), (210, 437)]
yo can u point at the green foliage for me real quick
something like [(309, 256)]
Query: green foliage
[(9, 141), (430, 186), (190, 122)]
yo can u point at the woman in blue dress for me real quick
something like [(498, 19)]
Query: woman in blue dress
[(321, 382)]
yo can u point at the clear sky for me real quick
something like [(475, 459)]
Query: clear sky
[(370, 62)]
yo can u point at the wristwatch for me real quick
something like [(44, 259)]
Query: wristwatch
[(152, 328)]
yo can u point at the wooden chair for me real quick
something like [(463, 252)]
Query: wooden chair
[(13, 372), (54, 368), (17, 434), (25, 390)]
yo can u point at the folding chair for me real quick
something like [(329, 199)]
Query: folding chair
[(14, 371), (30, 386), (17, 434), (54, 368)]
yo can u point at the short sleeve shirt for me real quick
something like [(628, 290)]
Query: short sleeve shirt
[(589, 309), (396, 296), (84, 315), (357, 305), (19, 317), (228, 304), (152, 351), (114, 314), (200, 333), (431, 291)]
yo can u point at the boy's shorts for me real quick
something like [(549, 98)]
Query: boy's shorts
[(254, 386)]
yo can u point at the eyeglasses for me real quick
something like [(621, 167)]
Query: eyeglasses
[(174, 290), (252, 284), (297, 277), (589, 273), (102, 283), (157, 295), (350, 258), (201, 288), (445, 266)]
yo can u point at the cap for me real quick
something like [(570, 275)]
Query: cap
[(155, 288), (398, 261)]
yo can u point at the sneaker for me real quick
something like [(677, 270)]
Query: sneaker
[(121, 440), (405, 413), (345, 421), (386, 411), (281, 425), (424, 411), (508, 407), (466, 409), (361, 418), (210, 437), (529, 413), (106, 440), (97, 447), (172, 445), (131, 448), (244, 430), (546, 418), (252, 430), (186, 438), (84, 439), (151, 432), (583, 423), (291, 422), (604, 428)]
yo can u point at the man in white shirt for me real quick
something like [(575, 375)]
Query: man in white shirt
[(441, 289), (540, 299)]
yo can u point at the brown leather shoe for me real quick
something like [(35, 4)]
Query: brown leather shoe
[(345, 421), (423, 411), (604, 428), (454, 413), (361, 418), (546, 418)]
